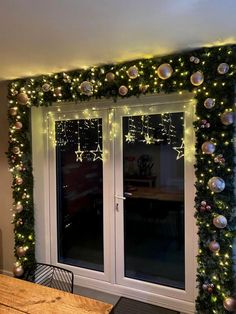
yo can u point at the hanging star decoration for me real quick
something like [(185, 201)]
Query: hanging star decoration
[(98, 154), (79, 154), (180, 150), (148, 139), (129, 137)]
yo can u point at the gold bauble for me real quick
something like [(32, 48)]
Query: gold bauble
[(123, 90), (132, 72), (110, 77), (18, 270), (22, 98)]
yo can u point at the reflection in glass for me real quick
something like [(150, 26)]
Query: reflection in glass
[(154, 206), (80, 193)]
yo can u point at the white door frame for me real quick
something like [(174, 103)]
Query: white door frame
[(42, 164)]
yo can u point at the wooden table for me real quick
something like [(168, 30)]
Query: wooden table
[(19, 296)]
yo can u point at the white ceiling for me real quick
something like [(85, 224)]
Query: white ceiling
[(42, 36)]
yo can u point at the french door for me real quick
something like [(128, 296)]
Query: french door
[(120, 212)]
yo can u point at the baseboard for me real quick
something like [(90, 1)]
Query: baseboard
[(6, 272)]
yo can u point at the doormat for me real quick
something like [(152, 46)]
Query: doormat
[(129, 306)]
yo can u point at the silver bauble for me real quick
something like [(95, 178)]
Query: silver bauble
[(13, 111), (132, 72), (18, 125), (214, 246), (20, 251), (18, 270), (164, 71), (123, 90), (197, 78), (22, 98), (223, 68), (220, 222), (209, 103), (230, 304), (208, 147), (216, 184), (86, 88), (110, 77), (46, 87), (227, 118)]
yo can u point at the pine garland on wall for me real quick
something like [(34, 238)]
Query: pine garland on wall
[(210, 74)]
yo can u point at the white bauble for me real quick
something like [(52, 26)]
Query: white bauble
[(220, 221), (216, 184)]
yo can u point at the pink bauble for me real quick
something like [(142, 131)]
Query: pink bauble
[(110, 77), (223, 68), (18, 125), (214, 246), (22, 98), (220, 221), (132, 72), (123, 90), (13, 111), (209, 103), (197, 78), (208, 147), (164, 71), (18, 270), (46, 87), (20, 251), (227, 118), (19, 180), (230, 304)]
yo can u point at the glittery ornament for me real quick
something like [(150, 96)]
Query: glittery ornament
[(86, 88), (227, 118), (132, 72), (208, 147), (216, 184), (18, 207), (223, 68), (22, 98), (196, 61), (110, 77), (220, 221), (192, 58), (19, 180), (16, 150), (46, 87), (214, 246), (164, 71), (143, 88), (197, 78), (209, 103), (219, 159), (18, 270), (13, 111), (18, 125), (123, 90), (20, 251), (230, 304)]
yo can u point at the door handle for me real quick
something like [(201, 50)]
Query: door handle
[(120, 197)]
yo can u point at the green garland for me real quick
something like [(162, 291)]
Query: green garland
[(215, 266)]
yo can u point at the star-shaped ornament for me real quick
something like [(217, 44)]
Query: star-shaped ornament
[(180, 151), (148, 139), (79, 154), (129, 138), (98, 155)]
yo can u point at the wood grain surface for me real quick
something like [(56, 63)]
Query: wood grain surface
[(19, 296)]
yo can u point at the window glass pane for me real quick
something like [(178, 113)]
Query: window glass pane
[(154, 206), (79, 169)]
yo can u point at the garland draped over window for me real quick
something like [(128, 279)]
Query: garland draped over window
[(208, 73)]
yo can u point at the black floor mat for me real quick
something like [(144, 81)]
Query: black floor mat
[(129, 306)]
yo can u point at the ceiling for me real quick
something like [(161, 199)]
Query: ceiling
[(54, 35)]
